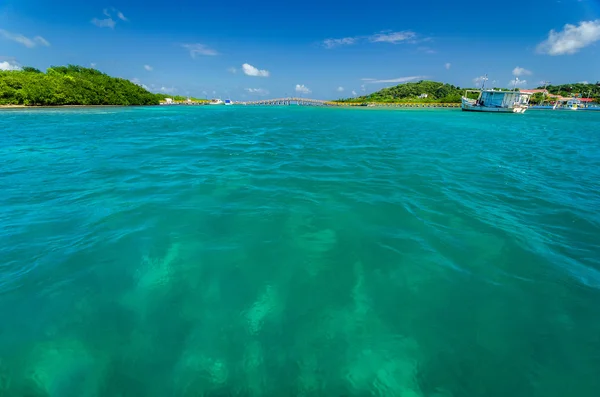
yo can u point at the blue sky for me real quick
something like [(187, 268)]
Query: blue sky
[(319, 49)]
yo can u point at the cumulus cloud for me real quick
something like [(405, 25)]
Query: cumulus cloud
[(93, 65), (331, 43), (9, 65), (257, 91), (250, 70), (354, 93), (199, 49), (232, 70), (396, 80), (26, 41), (518, 71), (393, 37), (448, 65), (148, 68), (167, 90), (302, 89), (571, 39), (340, 89)]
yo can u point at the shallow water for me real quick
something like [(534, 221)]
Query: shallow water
[(299, 251)]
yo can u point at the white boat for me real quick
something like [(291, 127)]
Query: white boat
[(496, 101), (216, 102), (228, 102), (572, 104)]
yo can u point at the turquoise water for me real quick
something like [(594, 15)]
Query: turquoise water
[(299, 251)]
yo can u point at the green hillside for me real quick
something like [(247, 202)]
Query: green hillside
[(69, 85), (414, 92)]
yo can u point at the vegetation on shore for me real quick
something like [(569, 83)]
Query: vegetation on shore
[(585, 90), (70, 85), (423, 91)]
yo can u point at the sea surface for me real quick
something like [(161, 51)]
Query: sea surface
[(292, 251)]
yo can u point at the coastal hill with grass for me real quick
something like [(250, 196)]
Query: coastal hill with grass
[(423, 91), (70, 85), (426, 91)]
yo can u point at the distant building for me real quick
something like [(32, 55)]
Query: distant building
[(169, 100), (423, 96)]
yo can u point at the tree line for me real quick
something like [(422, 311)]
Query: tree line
[(70, 85), (421, 91)]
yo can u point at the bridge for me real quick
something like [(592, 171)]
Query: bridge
[(318, 102), (290, 101)]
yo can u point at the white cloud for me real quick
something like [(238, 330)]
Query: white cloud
[(302, 89), (93, 65), (250, 70), (104, 23), (199, 49), (584, 82), (148, 68), (9, 65), (257, 91), (448, 65), (26, 41), (340, 89), (363, 87), (518, 71), (232, 70), (168, 90), (396, 80), (331, 43), (393, 37), (354, 93), (516, 83), (571, 39), (121, 16), (381, 37)]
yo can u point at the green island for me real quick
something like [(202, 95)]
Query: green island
[(433, 92), (70, 85)]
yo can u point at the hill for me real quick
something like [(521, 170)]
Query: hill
[(421, 91), (70, 85)]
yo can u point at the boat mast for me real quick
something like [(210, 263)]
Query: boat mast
[(483, 81), (544, 94)]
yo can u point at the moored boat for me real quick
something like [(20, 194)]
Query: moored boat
[(495, 100)]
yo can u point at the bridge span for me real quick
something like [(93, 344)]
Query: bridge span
[(291, 101)]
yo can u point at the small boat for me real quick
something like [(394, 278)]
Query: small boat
[(495, 101), (572, 104), (216, 102), (228, 102)]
